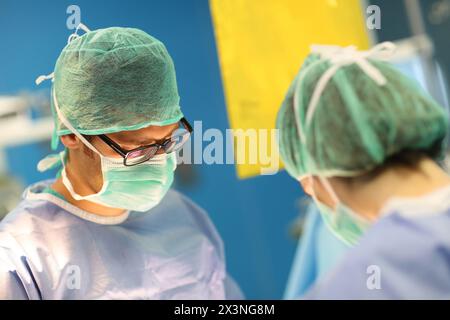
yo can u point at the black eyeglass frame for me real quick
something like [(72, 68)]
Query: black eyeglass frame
[(125, 153)]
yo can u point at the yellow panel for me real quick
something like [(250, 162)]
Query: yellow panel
[(262, 44)]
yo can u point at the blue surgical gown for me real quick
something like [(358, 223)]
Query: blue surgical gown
[(50, 249), (405, 255), (318, 252)]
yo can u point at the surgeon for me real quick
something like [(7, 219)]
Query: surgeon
[(110, 226), (365, 142)]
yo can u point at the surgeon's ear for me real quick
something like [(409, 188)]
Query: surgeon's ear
[(307, 186), (71, 141)]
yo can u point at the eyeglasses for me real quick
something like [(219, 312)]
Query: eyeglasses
[(145, 153)]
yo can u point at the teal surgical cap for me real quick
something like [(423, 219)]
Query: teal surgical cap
[(347, 111), (114, 79)]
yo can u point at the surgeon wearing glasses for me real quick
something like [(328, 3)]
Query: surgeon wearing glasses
[(110, 226)]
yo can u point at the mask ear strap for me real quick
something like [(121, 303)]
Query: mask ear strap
[(69, 186), (64, 177), (329, 189), (326, 184), (67, 182)]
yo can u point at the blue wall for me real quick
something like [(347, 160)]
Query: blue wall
[(252, 215)]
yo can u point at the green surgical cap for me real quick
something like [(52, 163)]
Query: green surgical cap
[(112, 80), (357, 123)]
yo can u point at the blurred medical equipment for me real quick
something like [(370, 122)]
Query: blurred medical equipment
[(18, 127), (434, 79), (412, 58), (10, 190), (17, 123)]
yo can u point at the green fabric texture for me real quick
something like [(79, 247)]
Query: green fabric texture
[(357, 123), (115, 79)]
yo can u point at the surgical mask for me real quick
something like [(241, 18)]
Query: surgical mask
[(138, 188), (342, 221)]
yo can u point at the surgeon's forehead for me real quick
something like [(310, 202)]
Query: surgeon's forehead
[(145, 135)]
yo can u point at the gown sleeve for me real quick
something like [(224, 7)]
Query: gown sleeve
[(232, 289), (399, 258), (16, 279)]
